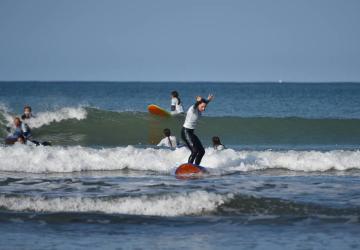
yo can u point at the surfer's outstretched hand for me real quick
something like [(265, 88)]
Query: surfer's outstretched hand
[(210, 97)]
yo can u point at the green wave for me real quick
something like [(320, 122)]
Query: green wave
[(107, 128)]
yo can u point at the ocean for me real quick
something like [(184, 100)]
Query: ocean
[(288, 178)]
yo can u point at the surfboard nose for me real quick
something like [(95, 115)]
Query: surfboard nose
[(156, 110)]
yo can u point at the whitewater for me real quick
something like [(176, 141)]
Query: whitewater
[(22, 158)]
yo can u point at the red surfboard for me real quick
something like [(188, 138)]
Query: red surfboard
[(156, 110), (188, 170)]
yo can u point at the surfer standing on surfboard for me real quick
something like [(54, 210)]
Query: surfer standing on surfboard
[(176, 106), (187, 132)]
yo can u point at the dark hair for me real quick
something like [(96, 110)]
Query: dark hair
[(216, 141), (22, 138), (175, 94), (203, 100), (27, 107), (167, 132)]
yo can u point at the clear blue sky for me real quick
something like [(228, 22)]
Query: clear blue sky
[(184, 40)]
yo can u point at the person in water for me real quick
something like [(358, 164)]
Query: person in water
[(21, 140), (11, 139), (169, 140), (27, 113), (23, 131), (187, 132), (24, 117), (176, 106), (217, 143)]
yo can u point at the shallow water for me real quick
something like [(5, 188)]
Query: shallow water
[(128, 209)]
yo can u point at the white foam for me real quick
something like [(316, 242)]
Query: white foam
[(6, 115), (293, 160), (193, 203), (21, 158), (47, 117)]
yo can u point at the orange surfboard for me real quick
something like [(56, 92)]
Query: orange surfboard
[(188, 170), (156, 110)]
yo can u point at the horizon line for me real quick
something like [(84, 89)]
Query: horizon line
[(164, 81)]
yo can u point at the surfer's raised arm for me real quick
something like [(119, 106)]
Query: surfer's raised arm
[(201, 99)]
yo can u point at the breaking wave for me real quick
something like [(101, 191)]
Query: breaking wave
[(47, 117), (174, 204), (21, 158), (165, 205)]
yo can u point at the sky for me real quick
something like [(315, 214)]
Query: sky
[(180, 40)]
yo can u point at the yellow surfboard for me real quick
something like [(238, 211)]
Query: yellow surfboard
[(156, 110)]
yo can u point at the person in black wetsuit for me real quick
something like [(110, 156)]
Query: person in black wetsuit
[(187, 132)]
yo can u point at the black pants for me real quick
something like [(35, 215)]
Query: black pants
[(194, 144)]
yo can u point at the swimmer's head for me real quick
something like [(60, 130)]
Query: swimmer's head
[(175, 94), (21, 139), (17, 122), (27, 111), (216, 141), (167, 132)]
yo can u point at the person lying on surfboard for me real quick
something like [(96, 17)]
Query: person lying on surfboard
[(176, 106), (22, 130), (187, 132), (169, 140), (18, 131), (24, 118)]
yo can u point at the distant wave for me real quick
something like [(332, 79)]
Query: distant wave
[(20, 158)]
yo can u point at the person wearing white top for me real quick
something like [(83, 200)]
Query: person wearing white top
[(169, 140), (176, 106), (217, 143), (187, 132)]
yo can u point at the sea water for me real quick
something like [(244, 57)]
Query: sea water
[(288, 178)]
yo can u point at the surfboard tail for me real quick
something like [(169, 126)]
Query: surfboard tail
[(188, 170)]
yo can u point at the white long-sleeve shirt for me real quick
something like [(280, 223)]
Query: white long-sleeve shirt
[(178, 107), (192, 116), (168, 142)]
